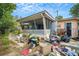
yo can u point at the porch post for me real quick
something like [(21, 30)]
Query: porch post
[(44, 26), (55, 26), (35, 24)]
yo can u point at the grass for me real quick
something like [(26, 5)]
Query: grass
[(4, 44), (4, 50)]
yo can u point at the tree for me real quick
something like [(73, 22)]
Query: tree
[(7, 23), (6, 20), (74, 11), (59, 17)]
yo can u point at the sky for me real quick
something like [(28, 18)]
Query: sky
[(26, 9)]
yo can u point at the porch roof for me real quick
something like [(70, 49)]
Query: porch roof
[(37, 16)]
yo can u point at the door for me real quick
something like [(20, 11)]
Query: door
[(68, 29)]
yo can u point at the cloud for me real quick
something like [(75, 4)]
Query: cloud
[(26, 9)]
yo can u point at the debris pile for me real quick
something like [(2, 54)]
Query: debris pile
[(37, 46)]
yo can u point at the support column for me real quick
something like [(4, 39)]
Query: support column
[(35, 24), (44, 26), (56, 26)]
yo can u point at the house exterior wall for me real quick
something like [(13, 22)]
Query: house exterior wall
[(74, 26)]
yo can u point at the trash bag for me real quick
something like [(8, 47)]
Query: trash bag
[(65, 38), (54, 39), (64, 49), (33, 40), (25, 52), (71, 53), (31, 45)]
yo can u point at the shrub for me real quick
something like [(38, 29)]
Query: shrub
[(4, 42)]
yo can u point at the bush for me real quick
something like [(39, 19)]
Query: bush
[(4, 42)]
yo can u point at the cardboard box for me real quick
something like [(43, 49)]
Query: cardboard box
[(45, 48)]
